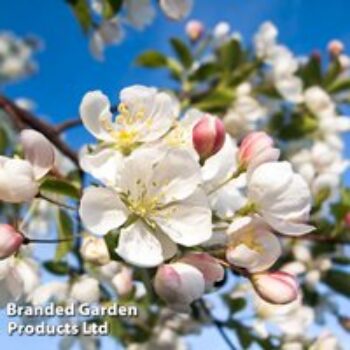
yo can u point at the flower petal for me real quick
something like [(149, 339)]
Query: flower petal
[(39, 151), (101, 210), (139, 246), (187, 222), (94, 108), (103, 164)]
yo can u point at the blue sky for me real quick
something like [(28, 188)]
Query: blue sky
[(67, 70)]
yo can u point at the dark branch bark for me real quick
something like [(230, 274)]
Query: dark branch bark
[(23, 119), (68, 124)]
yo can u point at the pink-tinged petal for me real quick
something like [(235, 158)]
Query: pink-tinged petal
[(10, 241), (255, 149), (39, 151), (276, 287), (208, 136), (179, 284), (212, 271)]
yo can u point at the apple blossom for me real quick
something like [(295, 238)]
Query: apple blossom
[(245, 114), (276, 287), (52, 291), (281, 197), (145, 115), (176, 9), (140, 13), (94, 250), (85, 290), (208, 136), (179, 284), (256, 148), (180, 135), (152, 199), (251, 245), (194, 30), (10, 241), (19, 179), (224, 189), (11, 283), (108, 32)]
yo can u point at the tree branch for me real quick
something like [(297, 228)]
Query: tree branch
[(68, 124), (23, 119), (218, 324)]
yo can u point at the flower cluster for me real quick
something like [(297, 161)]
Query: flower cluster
[(169, 181)]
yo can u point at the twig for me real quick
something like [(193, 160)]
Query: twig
[(68, 124), (23, 119), (60, 204), (317, 238), (218, 324)]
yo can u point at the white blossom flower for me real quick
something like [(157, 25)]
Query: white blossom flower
[(326, 341), (11, 283), (180, 135), (159, 200), (140, 13), (95, 250), (251, 245), (19, 179), (245, 113), (176, 9), (49, 292), (225, 192), (145, 116), (109, 32), (281, 197), (85, 290)]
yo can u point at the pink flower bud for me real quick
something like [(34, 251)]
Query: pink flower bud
[(335, 48), (256, 149), (10, 241), (179, 284), (208, 136), (316, 55), (194, 30), (276, 287), (212, 271)]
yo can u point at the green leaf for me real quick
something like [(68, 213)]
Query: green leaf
[(60, 187), (332, 73), (65, 229), (152, 59), (339, 281), (215, 101), (312, 72), (229, 55), (3, 140), (204, 72), (182, 51), (235, 304), (57, 267), (81, 10), (339, 85), (111, 7)]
